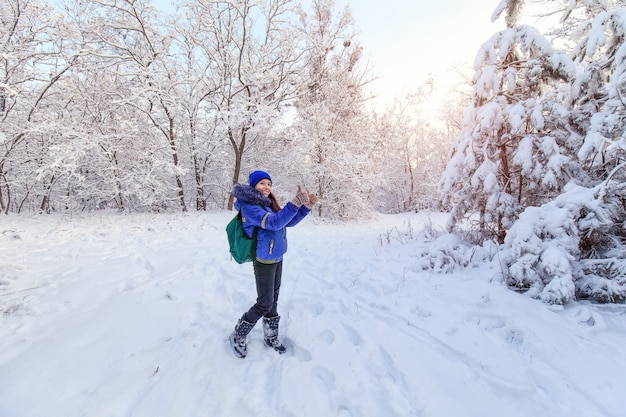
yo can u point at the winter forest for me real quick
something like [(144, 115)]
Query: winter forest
[(116, 105)]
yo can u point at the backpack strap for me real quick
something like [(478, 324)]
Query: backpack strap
[(255, 232)]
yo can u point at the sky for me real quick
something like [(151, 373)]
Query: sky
[(406, 40)]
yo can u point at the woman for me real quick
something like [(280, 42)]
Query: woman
[(259, 208)]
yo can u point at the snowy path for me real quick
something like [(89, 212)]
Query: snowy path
[(128, 316)]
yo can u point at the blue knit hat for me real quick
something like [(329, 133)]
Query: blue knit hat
[(257, 176)]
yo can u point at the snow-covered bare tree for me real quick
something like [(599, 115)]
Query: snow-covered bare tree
[(34, 57), (253, 55), (139, 43), (103, 154), (416, 134), (331, 138), (397, 192), (202, 151)]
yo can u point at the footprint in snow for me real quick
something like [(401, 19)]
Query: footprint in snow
[(324, 378), (328, 337), (389, 365), (515, 337), (299, 352), (491, 323), (124, 286), (317, 309), (144, 263), (344, 411), (353, 335)]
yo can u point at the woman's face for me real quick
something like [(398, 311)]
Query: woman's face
[(264, 186)]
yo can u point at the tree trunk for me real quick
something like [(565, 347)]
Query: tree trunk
[(238, 151), (4, 206), (504, 170), (179, 182), (200, 198)]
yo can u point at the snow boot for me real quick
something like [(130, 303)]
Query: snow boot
[(270, 330), (238, 337)]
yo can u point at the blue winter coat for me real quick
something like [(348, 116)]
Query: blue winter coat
[(256, 212)]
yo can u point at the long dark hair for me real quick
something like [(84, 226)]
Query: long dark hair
[(274, 203)]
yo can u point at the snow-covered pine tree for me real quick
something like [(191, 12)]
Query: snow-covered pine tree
[(599, 97), (515, 149), (573, 245)]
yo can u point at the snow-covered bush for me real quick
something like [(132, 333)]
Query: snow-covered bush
[(438, 251), (564, 249), (443, 254), (449, 252)]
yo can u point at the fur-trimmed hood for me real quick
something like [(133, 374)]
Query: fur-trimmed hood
[(248, 195)]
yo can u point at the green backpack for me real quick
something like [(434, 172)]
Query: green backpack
[(242, 248)]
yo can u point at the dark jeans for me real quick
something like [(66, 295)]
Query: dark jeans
[(268, 278)]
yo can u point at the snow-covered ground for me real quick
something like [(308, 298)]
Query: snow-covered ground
[(128, 315)]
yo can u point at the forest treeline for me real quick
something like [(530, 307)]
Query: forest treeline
[(114, 104)]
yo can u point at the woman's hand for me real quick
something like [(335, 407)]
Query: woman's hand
[(312, 200), (302, 197)]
